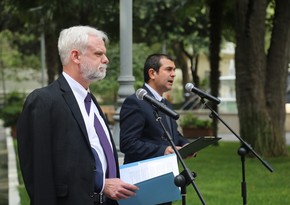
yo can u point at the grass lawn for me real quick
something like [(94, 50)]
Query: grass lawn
[(219, 177)]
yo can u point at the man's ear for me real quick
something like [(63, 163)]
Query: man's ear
[(75, 56), (151, 73)]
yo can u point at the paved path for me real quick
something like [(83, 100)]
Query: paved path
[(13, 194), (3, 169)]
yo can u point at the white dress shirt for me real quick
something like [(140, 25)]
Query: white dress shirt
[(80, 94)]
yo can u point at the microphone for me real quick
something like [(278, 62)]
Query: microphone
[(142, 95), (190, 88)]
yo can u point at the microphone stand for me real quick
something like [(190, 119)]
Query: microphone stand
[(242, 151), (186, 177)]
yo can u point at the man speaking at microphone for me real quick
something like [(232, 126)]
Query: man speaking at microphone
[(141, 136)]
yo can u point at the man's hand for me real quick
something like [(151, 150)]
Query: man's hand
[(191, 155), (170, 150), (116, 189)]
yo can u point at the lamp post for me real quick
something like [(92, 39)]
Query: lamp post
[(126, 79)]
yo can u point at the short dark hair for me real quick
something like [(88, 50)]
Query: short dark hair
[(153, 61)]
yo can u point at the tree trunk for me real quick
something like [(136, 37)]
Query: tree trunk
[(52, 59), (216, 8), (193, 59), (181, 61), (257, 125), (276, 77)]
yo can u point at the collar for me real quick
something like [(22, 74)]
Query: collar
[(77, 88), (154, 93)]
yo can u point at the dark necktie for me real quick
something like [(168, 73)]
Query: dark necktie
[(111, 163), (99, 171)]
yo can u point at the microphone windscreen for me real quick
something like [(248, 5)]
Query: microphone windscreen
[(140, 93), (189, 87)]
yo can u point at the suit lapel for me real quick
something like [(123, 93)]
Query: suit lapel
[(168, 120), (165, 119), (73, 105)]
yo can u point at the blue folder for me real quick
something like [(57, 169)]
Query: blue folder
[(153, 191)]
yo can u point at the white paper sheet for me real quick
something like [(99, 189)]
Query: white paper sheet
[(147, 169)]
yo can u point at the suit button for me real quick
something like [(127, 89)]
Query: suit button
[(94, 169)]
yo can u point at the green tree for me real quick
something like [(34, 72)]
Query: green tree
[(14, 56), (30, 16), (183, 35)]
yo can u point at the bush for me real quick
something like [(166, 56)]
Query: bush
[(12, 108), (189, 120)]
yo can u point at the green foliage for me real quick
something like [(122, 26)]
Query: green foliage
[(189, 19), (152, 24), (189, 120), (140, 53), (14, 50), (12, 108)]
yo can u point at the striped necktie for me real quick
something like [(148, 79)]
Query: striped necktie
[(99, 171)]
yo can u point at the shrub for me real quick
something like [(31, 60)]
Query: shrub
[(12, 108), (189, 120)]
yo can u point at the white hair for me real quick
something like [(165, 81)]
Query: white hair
[(76, 37)]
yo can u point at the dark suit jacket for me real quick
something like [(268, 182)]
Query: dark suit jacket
[(141, 136), (54, 149)]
